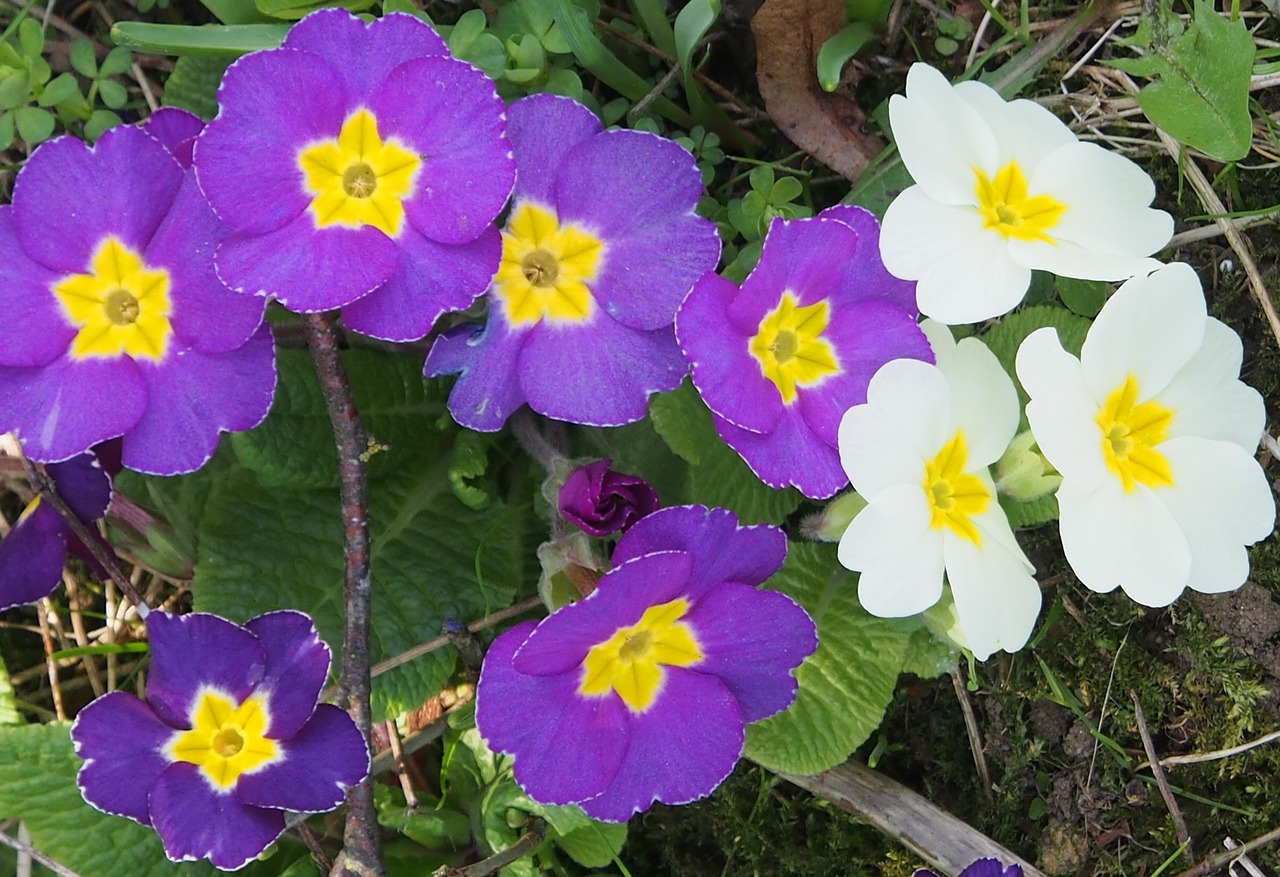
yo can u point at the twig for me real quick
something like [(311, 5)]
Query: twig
[(1208, 232), (397, 752), (28, 849), (1215, 755), (527, 843), (46, 635), (308, 838), (1184, 837), (362, 852), (975, 736), (1216, 861)]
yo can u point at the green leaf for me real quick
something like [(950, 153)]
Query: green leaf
[(83, 59), (839, 50), (236, 11), (118, 60), (31, 38), (263, 549), (1084, 297), (844, 686), (193, 84), (61, 89), (927, 656), (1030, 514), (113, 94), (880, 183), (99, 121), (15, 90), (34, 125), (207, 40), (292, 10), (595, 845), (1005, 337), (1201, 92), (9, 714), (6, 130), (691, 26), (469, 461)]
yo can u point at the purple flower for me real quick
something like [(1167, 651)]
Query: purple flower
[(117, 324), (361, 167), (980, 868), (601, 247), (602, 501), (780, 360), (641, 692), (35, 551), (229, 738)]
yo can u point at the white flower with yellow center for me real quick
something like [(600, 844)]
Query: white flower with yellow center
[(1003, 188), (1154, 435), (918, 452)]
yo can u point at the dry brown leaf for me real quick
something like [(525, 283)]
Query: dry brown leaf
[(830, 127)]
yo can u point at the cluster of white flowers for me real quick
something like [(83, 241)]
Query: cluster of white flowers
[(1151, 429)]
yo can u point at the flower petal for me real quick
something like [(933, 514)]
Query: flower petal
[(984, 402), (1024, 131), (753, 641), (194, 652), (39, 331), (122, 743), (195, 822), (898, 553), (865, 272), (369, 52), (997, 598), (1061, 411), (318, 764), (32, 556), (297, 665), (543, 128), (1209, 399), (486, 360), (176, 129), (791, 455)]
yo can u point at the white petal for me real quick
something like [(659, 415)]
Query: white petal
[(918, 231), (1207, 397), (984, 402), (1025, 132), (997, 599), (996, 531), (897, 552), (905, 420), (1222, 502), (1061, 411), (1149, 329), (1128, 539), (1107, 198), (941, 139), (1067, 259)]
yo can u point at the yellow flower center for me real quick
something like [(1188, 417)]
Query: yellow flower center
[(1130, 433), (120, 307), (225, 741), (790, 348), (955, 497), (630, 662), (1007, 207), (359, 179), (546, 269)]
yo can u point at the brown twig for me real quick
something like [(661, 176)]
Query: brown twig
[(46, 635), (1218, 860), (1199, 757), (527, 843), (1184, 837), (27, 849), (975, 735), (362, 851), (308, 838)]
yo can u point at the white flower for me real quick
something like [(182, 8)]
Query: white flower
[(918, 451), (1154, 435), (1003, 188)]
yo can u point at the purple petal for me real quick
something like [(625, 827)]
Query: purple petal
[(206, 314), (176, 130), (122, 743), (368, 52), (308, 269), (561, 640), (430, 279), (247, 158), (792, 455), (39, 332), (543, 128), (449, 112), (486, 360), (70, 196), (727, 375), (195, 652), (84, 485), (866, 271), (297, 668), (68, 406), (599, 373), (196, 822), (753, 640), (32, 556), (192, 397), (681, 748), (803, 257), (572, 749), (991, 868), (602, 501), (655, 246), (722, 549), (328, 755)]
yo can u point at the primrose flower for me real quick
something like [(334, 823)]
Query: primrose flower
[(641, 692), (980, 868), (780, 360), (119, 325), (35, 551), (602, 501), (918, 451), (1003, 188), (1154, 436), (361, 167), (229, 738), (602, 245)]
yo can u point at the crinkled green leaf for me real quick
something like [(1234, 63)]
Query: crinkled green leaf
[(1005, 337), (9, 714), (846, 685), (1083, 297), (193, 84), (468, 462), (927, 656), (271, 548), (1030, 514)]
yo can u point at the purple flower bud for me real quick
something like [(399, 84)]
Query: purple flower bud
[(602, 501)]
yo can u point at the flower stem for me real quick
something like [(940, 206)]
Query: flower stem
[(362, 852)]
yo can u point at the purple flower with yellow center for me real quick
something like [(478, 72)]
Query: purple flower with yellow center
[(641, 692), (118, 324), (35, 551), (779, 360), (361, 167), (601, 246), (229, 737), (602, 501)]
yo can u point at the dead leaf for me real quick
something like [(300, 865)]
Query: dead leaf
[(830, 127)]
